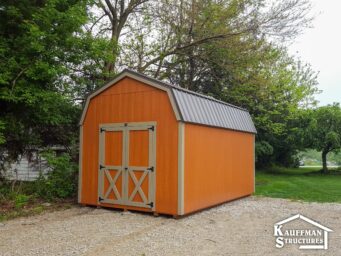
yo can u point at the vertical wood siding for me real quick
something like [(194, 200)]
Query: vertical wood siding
[(133, 101), (219, 166)]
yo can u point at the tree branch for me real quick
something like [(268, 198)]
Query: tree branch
[(191, 44), (16, 78), (112, 9)]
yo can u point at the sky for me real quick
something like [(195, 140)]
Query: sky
[(321, 47)]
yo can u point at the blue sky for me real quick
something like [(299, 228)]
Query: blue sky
[(321, 47)]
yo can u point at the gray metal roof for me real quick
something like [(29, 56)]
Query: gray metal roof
[(201, 109)]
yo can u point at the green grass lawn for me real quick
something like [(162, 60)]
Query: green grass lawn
[(305, 184)]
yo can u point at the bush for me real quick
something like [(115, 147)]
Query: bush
[(21, 200), (61, 182), (263, 151)]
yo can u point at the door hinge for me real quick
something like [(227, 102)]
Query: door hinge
[(151, 128), (151, 169), (101, 166), (151, 204), (100, 199)]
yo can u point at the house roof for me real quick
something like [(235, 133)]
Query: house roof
[(189, 106)]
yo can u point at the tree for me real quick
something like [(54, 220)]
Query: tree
[(148, 33), (250, 72), (266, 81), (54, 52), (39, 40), (222, 48), (323, 131), (110, 23)]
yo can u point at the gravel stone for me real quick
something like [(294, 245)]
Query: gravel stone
[(241, 227)]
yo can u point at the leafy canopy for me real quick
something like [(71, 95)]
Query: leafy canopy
[(324, 130), (37, 40)]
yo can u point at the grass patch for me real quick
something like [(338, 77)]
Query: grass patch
[(306, 184), (20, 200), (33, 207)]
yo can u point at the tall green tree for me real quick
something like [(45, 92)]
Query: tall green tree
[(39, 41), (323, 131)]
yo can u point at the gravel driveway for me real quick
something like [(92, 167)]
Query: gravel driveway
[(242, 227)]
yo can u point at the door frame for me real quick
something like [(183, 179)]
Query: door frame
[(124, 168)]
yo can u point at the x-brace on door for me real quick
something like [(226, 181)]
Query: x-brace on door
[(126, 174)]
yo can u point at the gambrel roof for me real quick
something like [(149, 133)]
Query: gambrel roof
[(189, 106)]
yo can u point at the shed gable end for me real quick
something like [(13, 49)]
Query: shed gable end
[(144, 82)]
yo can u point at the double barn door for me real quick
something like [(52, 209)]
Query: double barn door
[(127, 164)]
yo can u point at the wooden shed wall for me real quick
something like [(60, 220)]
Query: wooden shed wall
[(219, 166), (132, 101)]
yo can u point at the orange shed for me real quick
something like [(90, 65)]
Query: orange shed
[(147, 145)]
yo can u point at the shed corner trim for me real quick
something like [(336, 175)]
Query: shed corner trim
[(80, 174), (181, 167)]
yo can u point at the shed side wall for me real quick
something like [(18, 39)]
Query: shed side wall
[(219, 166), (132, 101)]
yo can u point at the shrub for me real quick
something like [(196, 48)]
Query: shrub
[(20, 200), (263, 153), (61, 182)]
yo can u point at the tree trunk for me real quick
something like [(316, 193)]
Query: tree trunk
[(324, 161)]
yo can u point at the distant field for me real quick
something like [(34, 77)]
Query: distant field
[(305, 184), (318, 166), (313, 158)]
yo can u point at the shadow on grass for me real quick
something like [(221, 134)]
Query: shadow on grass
[(282, 171), (321, 173)]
